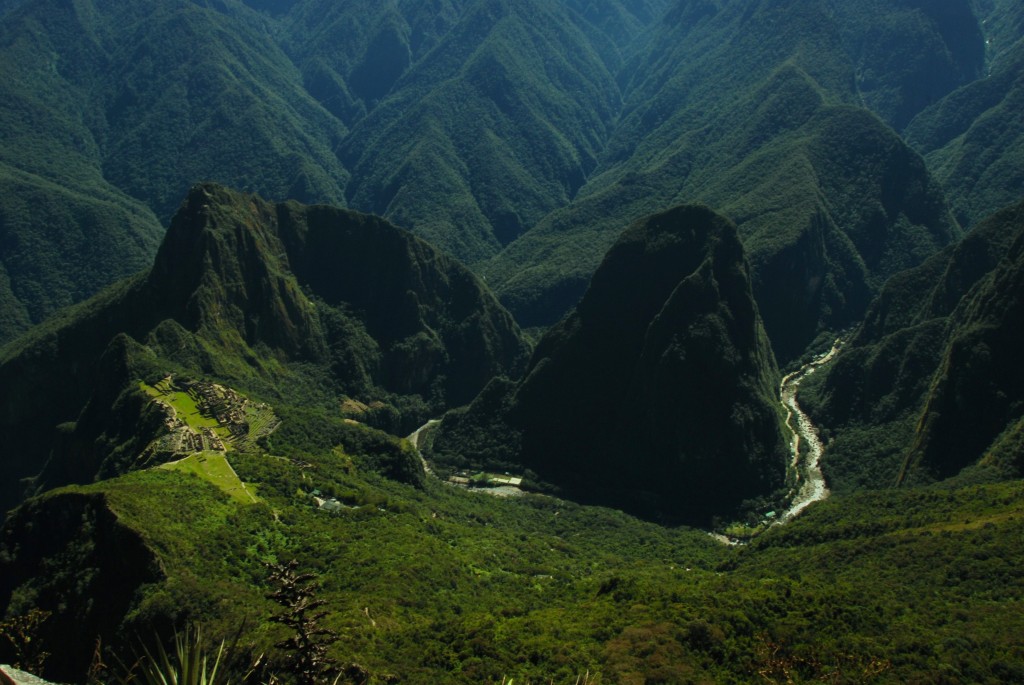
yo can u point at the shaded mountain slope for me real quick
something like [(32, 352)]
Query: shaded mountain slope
[(61, 242), (908, 54), (351, 54), (980, 377), (72, 553), (656, 393), (533, 129), (829, 201), (931, 381), (973, 139), (495, 127), (247, 291), (65, 231), (109, 112), (202, 94), (134, 103)]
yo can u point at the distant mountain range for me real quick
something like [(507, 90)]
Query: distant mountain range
[(521, 137), (245, 245)]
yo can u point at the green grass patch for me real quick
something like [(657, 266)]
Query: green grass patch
[(185, 407), (214, 467)]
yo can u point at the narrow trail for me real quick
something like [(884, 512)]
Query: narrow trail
[(812, 488), (414, 440), (499, 491), (810, 480)]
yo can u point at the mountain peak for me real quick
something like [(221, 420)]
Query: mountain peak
[(222, 267), (336, 303), (656, 393)]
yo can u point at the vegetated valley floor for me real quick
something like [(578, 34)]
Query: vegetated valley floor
[(444, 585)]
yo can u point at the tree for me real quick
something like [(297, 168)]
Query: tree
[(307, 647)]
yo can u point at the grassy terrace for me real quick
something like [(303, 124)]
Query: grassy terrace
[(214, 468), (259, 418), (184, 406)]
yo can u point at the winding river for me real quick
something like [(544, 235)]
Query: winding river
[(810, 481)]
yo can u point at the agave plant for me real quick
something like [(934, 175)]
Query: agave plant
[(188, 665)]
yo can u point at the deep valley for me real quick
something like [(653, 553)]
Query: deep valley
[(512, 341)]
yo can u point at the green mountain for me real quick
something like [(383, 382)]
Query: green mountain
[(134, 104), (308, 303), (828, 200), (518, 136), (973, 139), (657, 393), (496, 126), (108, 113), (229, 396), (930, 382), (65, 231), (61, 242), (909, 54)]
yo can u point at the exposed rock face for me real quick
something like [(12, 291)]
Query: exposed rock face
[(657, 392)]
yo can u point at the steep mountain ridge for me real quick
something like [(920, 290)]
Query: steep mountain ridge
[(933, 355), (109, 112), (979, 379), (973, 138), (410, 328), (829, 201), (473, 122), (908, 54), (506, 115), (656, 393)]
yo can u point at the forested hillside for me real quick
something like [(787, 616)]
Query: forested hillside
[(519, 136), (973, 138), (765, 248), (930, 383), (315, 304), (828, 200), (656, 393)]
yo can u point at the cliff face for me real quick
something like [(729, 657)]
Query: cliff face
[(656, 393), (279, 296)]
